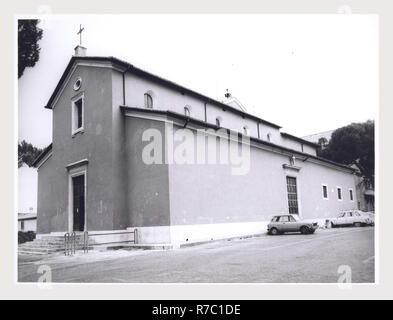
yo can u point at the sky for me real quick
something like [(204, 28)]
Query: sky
[(307, 73)]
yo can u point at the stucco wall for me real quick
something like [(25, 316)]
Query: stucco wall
[(28, 225), (204, 194), (148, 191), (94, 144), (310, 180), (165, 98)]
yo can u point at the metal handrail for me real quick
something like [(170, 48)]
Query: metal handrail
[(66, 236), (70, 240), (73, 242), (86, 242), (69, 243)]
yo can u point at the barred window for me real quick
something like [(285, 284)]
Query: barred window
[(292, 195)]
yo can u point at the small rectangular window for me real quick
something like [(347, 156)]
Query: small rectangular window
[(339, 196), (324, 192), (77, 114), (351, 194), (78, 106)]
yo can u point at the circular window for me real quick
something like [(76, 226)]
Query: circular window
[(77, 84)]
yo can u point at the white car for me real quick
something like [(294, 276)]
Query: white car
[(370, 215), (354, 218)]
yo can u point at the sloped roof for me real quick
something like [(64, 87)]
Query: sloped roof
[(316, 136), (27, 216), (42, 155), (147, 75), (235, 103)]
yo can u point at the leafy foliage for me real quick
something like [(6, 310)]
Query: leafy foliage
[(27, 153), (353, 144), (28, 48)]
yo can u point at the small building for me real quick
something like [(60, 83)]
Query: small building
[(95, 177), (365, 193), (27, 198), (364, 187), (27, 221), (27, 188)]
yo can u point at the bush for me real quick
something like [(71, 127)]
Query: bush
[(24, 236)]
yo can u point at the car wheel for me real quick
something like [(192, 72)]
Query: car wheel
[(273, 231), (304, 230), (357, 224)]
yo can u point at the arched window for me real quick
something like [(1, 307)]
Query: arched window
[(218, 122), (246, 131), (187, 111), (148, 101), (268, 136)]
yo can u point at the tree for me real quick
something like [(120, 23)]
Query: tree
[(353, 144), (27, 153), (323, 142), (28, 48)]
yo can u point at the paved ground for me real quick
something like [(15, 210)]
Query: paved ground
[(285, 258)]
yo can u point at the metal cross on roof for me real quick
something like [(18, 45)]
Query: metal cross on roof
[(80, 34)]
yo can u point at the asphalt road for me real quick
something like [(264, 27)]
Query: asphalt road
[(291, 258)]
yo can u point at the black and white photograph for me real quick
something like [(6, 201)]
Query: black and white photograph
[(197, 148)]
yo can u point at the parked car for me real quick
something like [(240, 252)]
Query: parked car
[(290, 223), (354, 218), (370, 215)]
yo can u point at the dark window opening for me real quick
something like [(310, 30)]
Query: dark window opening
[(79, 110), (325, 192), (148, 101), (339, 193), (351, 194)]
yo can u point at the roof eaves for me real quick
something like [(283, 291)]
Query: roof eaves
[(206, 124), (299, 139), (42, 155)]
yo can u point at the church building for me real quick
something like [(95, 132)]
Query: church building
[(94, 175)]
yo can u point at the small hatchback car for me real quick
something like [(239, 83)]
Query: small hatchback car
[(290, 223)]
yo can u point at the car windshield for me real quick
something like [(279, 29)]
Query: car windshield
[(295, 217)]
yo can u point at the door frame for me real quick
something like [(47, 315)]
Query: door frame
[(74, 172)]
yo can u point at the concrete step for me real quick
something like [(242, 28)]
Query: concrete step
[(44, 245), (30, 252), (39, 249), (47, 245)]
